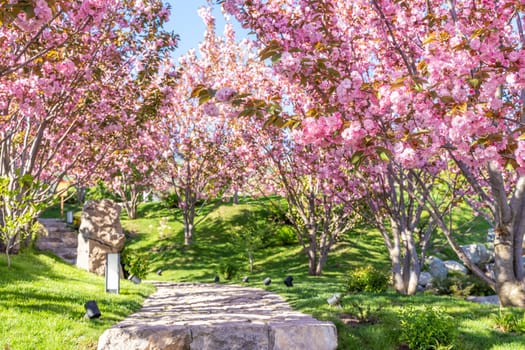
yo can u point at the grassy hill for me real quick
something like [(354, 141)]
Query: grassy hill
[(41, 298)]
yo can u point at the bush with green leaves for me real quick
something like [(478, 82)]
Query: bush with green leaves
[(461, 286), (135, 263), (285, 235), (510, 321), (367, 279), (228, 269), (100, 191), (171, 200), (429, 328)]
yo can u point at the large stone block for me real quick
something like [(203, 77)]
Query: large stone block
[(231, 336), (303, 336), (100, 233), (145, 337)]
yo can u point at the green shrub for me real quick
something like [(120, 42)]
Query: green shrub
[(228, 269), (285, 235), (100, 191), (461, 286), (171, 200), (135, 263), (427, 329), (367, 279), (510, 322)]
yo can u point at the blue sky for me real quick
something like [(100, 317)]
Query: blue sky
[(186, 22)]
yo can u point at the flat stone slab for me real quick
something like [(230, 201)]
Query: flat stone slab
[(195, 316)]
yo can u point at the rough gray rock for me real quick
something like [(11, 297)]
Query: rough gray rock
[(100, 233), (477, 253), (437, 268), (155, 337), (425, 278), (491, 299), (300, 335), (234, 336), (191, 316), (455, 266)]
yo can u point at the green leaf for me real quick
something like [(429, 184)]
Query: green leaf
[(357, 157), (383, 153)]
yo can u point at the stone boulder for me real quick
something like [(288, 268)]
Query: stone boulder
[(437, 268), (455, 266), (491, 299), (478, 253), (100, 233), (425, 279)]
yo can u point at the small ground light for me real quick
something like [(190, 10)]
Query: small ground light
[(159, 272), (288, 281), (245, 279), (267, 281), (92, 310), (335, 300), (216, 279)]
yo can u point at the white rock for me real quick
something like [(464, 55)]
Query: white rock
[(234, 336), (142, 337), (477, 253), (437, 268), (301, 336), (425, 278), (455, 266), (491, 299)]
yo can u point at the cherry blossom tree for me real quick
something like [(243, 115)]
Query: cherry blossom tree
[(442, 78), (196, 141), (63, 69), (317, 188)]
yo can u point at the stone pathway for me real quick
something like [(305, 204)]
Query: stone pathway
[(191, 316), (60, 240)]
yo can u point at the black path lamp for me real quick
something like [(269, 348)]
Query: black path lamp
[(288, 281), (92, 310)]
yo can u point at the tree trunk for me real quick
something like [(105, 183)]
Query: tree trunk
[(251, 260), (510, 290), (311, 261), (405, 267), (312, 251), (321, 263), (508, 249), (131, 210), (188, 233), (8, 257)]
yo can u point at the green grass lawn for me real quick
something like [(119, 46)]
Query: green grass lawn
[(42, 299), (42, 304)]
